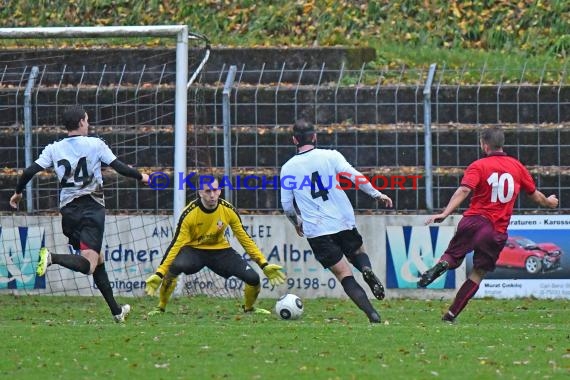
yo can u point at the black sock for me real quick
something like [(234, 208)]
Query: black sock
[(76, 263), (361, 261), (102, 281), (357, 295)]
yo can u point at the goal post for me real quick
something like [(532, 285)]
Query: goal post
[(140, 104), (182, 83)]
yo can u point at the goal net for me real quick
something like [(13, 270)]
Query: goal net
[(130, 94)]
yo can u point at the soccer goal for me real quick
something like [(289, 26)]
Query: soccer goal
[(141, 99)]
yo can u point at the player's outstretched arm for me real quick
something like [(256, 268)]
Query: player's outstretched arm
[(26, 176), (124, 169), (385, 199), (541, 199), (457, 198), (15, 200)]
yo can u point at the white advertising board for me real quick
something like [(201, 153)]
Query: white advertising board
[(535, 262), (400, 248)]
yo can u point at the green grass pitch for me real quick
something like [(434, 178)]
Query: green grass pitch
[(45, 337)]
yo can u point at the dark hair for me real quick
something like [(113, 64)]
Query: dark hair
[(72, 116), (494, 137), (303, 132), (203, 181)]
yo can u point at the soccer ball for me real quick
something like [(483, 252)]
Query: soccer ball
[(289, 306)]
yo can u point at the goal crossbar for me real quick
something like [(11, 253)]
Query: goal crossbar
[(94, 31)]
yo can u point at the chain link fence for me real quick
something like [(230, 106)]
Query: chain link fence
[(375, 118)]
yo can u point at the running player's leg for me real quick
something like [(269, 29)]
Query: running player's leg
[(92, 228), (353, 248), (460, 245), (488, 245), (463, 241), (71, 223), (330, 255), (353, 289)]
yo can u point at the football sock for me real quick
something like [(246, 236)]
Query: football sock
[(357, 295), (166, 289), (361, 261), (465, 293), (102, 281), (250, 293), (76, 263)]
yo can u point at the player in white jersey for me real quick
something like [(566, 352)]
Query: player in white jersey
[(77, 160), (310, 179)]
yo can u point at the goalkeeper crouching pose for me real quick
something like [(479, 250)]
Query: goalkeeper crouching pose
[(200, 242)]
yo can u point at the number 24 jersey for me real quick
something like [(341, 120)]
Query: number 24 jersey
[(77, 163)]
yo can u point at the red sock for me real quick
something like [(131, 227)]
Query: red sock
[(465, 293)]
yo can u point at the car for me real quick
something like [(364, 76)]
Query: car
[(521, 252)]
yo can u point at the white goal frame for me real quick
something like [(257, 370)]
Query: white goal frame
[(182, 83)]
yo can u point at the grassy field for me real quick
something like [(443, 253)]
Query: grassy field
[(200, 338)]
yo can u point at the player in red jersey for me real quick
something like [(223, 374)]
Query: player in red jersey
[(495, 182)]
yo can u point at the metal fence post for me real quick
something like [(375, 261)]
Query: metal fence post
[(427, 138), (227, 129), (28, 133)]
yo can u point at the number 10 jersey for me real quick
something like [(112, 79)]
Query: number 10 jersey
[(495, 182)]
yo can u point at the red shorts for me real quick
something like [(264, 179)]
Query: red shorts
[(475, 233)]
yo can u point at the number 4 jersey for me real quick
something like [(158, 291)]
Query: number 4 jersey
[(495, 182), (77, 163), (311, 179)]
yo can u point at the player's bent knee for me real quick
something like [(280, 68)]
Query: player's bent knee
[(175, 271), (93, 258), (92, 266), (251, 278), (477, 275)]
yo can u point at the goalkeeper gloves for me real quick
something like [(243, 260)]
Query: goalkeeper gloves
[(274, 274), (152, 284)]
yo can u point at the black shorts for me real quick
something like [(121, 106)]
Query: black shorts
[(83, 222), (329, 249), (224, 262)]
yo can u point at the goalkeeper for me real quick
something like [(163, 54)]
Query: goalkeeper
[(200, 242)]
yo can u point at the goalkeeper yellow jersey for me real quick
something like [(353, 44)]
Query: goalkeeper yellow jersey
[(205, 229)]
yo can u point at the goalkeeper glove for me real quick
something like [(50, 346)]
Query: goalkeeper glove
[(152, 284), (274, 274), (156, 311)]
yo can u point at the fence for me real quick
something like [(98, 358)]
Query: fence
[(374, 117)]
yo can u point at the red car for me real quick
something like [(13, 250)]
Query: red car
[(520, 252)]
